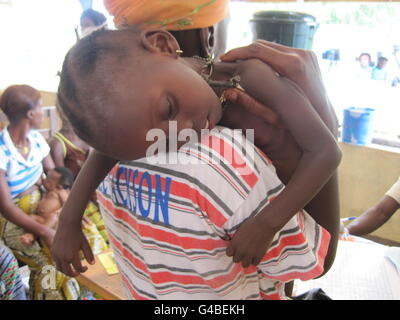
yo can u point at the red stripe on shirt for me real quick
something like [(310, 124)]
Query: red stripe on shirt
[(144, 230), (229, 154)]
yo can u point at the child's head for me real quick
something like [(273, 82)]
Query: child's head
[(382, 62), (117, 85), (58, 178), (364, 59), (91, 18)]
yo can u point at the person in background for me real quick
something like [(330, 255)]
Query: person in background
[(24, 155), (378, 214), (92, 20), (57, 183), (198, 26), (11, 286), (379, 72), (364, 69), (67, 150)]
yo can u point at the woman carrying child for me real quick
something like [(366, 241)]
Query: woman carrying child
[(24, 157)]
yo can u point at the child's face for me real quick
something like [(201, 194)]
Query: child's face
[(52, 180), (382, 63), (152, 92), (364, 60)]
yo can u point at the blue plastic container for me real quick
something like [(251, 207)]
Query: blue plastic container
[(357, 125)]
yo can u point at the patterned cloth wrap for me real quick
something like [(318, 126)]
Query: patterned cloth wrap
[(45, 282), (11, 286), (170, 14)]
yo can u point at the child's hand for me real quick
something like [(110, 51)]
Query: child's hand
[(250, 242), (68, 241)]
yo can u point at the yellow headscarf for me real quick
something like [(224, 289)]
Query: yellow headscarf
[(171, 14)]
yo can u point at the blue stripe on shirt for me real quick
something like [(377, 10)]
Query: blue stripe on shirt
[(26, 177)]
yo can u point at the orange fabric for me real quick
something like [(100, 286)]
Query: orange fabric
[(171, 14)]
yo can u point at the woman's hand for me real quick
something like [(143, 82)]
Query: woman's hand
[(48, 237), (300, 66)]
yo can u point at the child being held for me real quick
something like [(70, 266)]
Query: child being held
[(57, 186), (118, 85)]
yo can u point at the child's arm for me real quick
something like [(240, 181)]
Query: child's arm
[(320, 157), (69, 238), (57, 152), (302, 67)]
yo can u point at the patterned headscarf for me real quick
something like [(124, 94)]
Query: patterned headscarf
[(170, 14)]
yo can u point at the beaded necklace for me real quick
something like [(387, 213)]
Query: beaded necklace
[(206, 72)]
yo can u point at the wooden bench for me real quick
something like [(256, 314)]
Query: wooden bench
[(98, 281)]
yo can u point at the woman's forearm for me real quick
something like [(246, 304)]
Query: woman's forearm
[(16, 216)]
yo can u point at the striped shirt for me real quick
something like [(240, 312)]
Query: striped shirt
[(394, 191), (169, 224), (22, 173)]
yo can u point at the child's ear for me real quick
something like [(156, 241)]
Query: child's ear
[(160, 41), (30, 114)]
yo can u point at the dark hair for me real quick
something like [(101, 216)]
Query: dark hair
[(97, 17), (383, 59), (365, 54), (67, 177), (17, 100), (84, 71)]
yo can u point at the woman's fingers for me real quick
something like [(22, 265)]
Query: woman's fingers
[(250, 104), (275, 58), (277, 46)]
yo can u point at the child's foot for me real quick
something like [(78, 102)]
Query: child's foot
[(27, 239)]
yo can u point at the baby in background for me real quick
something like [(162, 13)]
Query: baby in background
[(57, 185)]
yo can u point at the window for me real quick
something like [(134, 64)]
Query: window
[(35, 37), (346, 30)]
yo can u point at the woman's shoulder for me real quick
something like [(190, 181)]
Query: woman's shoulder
[(36, 136), (38, 142)]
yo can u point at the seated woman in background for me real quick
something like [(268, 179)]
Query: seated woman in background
[(24, 156), (67, 150), (58, 184)]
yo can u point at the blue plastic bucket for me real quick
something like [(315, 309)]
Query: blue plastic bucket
[(357, 125)]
